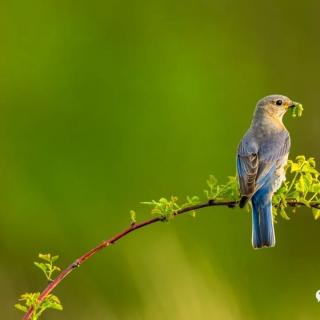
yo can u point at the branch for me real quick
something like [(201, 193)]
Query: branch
[(135, 226)]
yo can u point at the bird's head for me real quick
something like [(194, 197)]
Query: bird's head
[(275, 105)]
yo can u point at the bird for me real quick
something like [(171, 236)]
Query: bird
[(261, 158)]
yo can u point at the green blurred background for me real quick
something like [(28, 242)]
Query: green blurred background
[(108, 103)]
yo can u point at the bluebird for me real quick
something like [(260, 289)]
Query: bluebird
[(261, 157)]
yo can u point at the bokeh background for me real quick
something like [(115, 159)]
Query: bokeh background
[(108, 103)]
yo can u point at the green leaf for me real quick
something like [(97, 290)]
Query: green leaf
[(54, 258), (56, 306), (192, 200), (148, 203), (294, 167), (55, 268), (316, 213), (133, 217), (284, 214), (46, 257), (51, 302), (315, 187), (193, 214), (312, 162), (41, 266), (301, 159), (21, 307)]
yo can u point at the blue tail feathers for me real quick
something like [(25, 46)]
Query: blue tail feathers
[(262, 220)]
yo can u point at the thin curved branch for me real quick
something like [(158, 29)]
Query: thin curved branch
[(210, 203)]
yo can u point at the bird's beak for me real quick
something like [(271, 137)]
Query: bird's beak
[(293, 104)]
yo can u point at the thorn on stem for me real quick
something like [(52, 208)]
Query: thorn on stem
[(75, 265)]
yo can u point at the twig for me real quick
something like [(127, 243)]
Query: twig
[(135, 226)]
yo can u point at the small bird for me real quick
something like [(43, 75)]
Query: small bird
[(261, 157)]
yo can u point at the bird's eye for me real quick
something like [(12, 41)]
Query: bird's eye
[(279, 102)]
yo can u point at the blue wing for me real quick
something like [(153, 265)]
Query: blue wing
[(256, 162)]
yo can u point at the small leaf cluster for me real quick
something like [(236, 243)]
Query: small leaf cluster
[(229, 191), (47, 267), (302, 185), (28, 300), (51, 301), (165, 208), (191, 201)]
